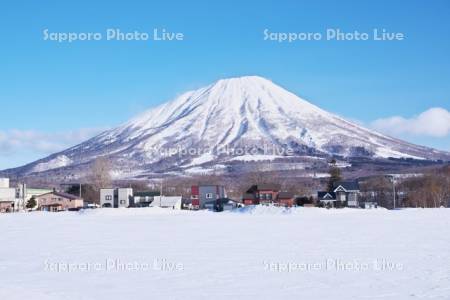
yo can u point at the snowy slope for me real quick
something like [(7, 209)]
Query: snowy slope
[(245, 116), (249, 110), (389, 255)]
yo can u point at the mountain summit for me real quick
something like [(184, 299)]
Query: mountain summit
[(223, 125)]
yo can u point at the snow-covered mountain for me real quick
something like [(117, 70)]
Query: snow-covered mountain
[(222, 127)]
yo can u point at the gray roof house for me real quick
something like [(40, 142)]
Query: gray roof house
[(347, 192)]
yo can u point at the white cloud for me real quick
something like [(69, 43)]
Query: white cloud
[(434, 122), (15, 140)]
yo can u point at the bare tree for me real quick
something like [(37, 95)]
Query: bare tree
[(100, 176), (436, 188), (430, 190), (379, 189)]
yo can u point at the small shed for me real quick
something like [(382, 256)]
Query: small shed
[(167, 202)]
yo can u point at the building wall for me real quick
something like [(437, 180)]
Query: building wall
[(286, 202), (167, 202), (249, 201), (195, 201), (4, 182), (352, 199), (7, 199), (267, 196), (66, 203), (107, 197), (208, 193), (121, 197), (124, 196), (341, 196), (5, 207), (7, 194)]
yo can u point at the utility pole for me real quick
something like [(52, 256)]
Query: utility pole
[(129, 181), (24, 195), (393, 188), (160, 192)]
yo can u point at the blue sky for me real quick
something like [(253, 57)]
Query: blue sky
[(53, 95)]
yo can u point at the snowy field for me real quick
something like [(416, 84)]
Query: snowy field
[(265, 253)]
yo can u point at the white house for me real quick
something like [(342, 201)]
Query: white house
[(116, 197)]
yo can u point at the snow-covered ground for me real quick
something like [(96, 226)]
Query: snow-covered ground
[(262, 253)]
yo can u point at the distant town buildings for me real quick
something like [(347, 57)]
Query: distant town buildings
[(16, 198), (201, 196)]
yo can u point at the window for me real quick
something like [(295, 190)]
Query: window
[(266, 196), (209, 195), (108, 197), (122, 201)]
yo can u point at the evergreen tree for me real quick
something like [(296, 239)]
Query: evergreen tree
[(335, 175), (31, 203)]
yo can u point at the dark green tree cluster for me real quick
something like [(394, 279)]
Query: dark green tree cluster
[(335, 175), (31, 203)]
